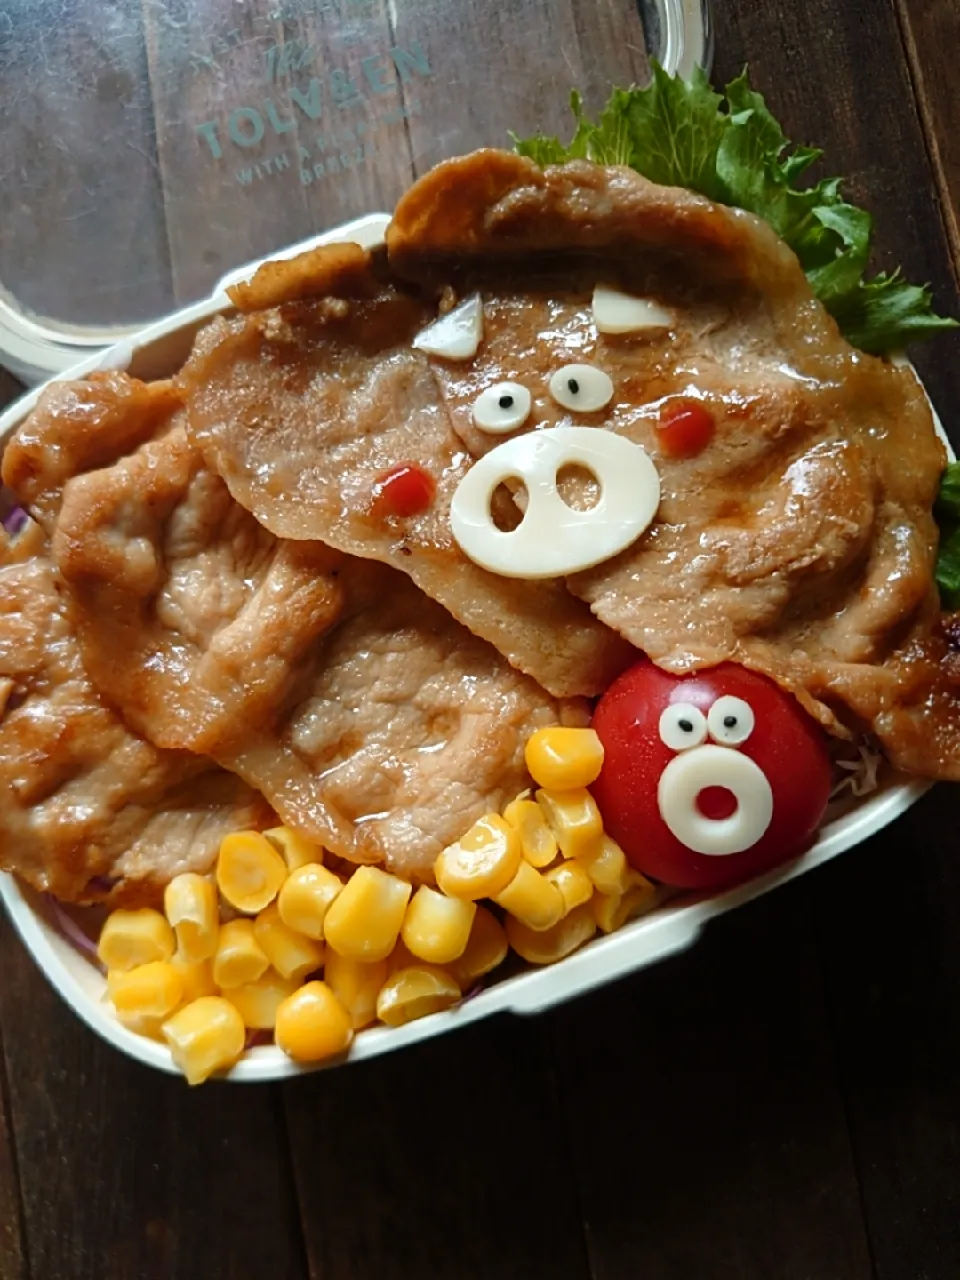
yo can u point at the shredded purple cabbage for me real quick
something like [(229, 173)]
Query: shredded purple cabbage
[(68, 928), (14, 521)]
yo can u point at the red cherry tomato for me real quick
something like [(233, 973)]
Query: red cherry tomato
[(403, 491), (709, 778), (685, 428)]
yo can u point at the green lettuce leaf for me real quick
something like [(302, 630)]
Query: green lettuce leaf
[(731, 148)]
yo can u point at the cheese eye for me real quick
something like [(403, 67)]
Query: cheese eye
[(682, 725), (730, 721), (581, 387), (501, 408)]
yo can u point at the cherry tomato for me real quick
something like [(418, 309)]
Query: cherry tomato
[(685, 428), (709, 778), (405, 490)]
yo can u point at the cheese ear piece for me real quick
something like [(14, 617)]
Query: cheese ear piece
[(615, 312), (457, 335)]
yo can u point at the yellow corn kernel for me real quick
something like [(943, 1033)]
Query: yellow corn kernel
[(296, 850), (551, 945), (537, 841), (290, 953), (305, 898), (312, 1024), (356, 985), (482, 862), (197, 977), (574, 884), (240, 958), (190, 902), (574, 819), (145, 994), (612, 911), (563, 759), (132, 938), (413, 993), (401, 957), (258, 1002), (486, 949), (608, 868), (364, 920), (437, 928), (205, 1036), (532, 898), (249, 871)]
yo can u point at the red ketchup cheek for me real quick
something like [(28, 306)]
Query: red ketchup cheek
[(405, 490), (685, 428)]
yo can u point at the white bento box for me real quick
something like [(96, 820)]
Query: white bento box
[(157, 351)]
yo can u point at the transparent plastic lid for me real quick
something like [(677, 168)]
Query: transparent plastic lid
[(151, 146)]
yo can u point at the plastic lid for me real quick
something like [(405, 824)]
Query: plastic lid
[(150, 149)]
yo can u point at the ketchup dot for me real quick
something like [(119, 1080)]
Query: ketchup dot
[(716, 803), (405, 490), (685, 428)]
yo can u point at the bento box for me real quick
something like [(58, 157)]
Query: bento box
[(157, 351)]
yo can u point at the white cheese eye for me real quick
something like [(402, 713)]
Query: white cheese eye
[(615, 312), (581, 387), (682, 725), (730, 721), (501, 408), (457, 335)]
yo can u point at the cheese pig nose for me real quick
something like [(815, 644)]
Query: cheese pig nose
[(552, 539), (702, 768)]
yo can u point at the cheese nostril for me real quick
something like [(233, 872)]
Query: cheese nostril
[(716, 803)]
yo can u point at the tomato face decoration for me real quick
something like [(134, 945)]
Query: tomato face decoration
[(709, 778)]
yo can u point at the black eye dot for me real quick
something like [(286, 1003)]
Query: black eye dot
[(505, 402), (573, 386), (686, 725), (729, 722)]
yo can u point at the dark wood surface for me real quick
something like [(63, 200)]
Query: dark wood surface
[(780, 1103)]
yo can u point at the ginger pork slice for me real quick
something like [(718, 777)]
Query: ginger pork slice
[(800, 540), (89, 810), (370, 719), (303, 408)]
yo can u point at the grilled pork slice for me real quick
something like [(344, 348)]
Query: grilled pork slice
[(89, 810)]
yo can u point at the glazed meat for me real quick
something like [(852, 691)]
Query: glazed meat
[(90, 811), (800, 541), (303, 408), (371, 720)]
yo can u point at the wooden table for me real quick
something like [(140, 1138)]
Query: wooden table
[(781, 1103)]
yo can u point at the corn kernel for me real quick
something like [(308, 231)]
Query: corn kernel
[(574, 819), (537, 841), (356, 985), (290, 953), (574, 884), (312, 1024), (551, 945), (306, 897), (197, 977), (364, 920), (413, 993), (612, 911), (205, 1036), (532, 898), (240, 958), (437, 928), (486, 949), (563, 759), (190, 902), (258, 1002), (401, 957), (608, 868), (147, 993), (249, 871), (132, 938), (482, 862), (296, 850)]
